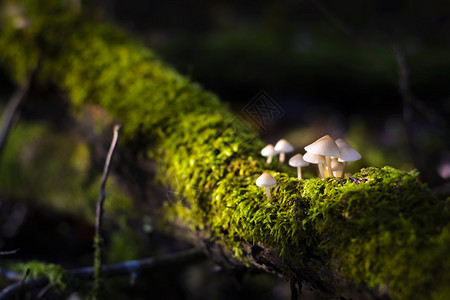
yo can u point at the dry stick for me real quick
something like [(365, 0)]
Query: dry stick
[(117, 269), (98, 241), (14, 289), (27, 273), (11, 111), (44, 291), (135, 266), (9, 252)]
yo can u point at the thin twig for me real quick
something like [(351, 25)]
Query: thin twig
[(98, 242), (118, 269), (12, 110), (9, 252), (14, 289), (101, 200), (27, 273), (44, 291)]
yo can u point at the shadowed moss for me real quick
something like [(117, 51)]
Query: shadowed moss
[(57, 276), (381, 227)]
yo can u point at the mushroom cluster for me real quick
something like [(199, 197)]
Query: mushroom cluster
[(331, 156), (281, 148)]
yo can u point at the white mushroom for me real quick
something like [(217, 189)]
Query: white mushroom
[(269, 152), (341, 143), (327, 147), (337, 167), (266, 181), (315, 159), (348, 153), (283, 147), (298, 161)]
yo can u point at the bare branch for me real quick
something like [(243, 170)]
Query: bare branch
[(9, 252), (98, 241), (99, 213), (11, 112)]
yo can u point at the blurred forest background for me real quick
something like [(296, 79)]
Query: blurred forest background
[(374, 72), (332, 67)]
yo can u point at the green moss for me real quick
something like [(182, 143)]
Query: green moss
[(57, 276), (370, 227)]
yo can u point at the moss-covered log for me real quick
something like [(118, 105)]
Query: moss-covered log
[(378, 234)]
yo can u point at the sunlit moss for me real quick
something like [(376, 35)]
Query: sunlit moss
[(370, 227)]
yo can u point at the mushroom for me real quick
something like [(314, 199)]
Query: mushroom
[(337, 167), (348, 153), (327, 147), (315, 159), (266, 181), (269, 152), (298, 161), (341, 143), (282, 147)]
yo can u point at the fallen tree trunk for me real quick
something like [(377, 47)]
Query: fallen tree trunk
[(380, 234)]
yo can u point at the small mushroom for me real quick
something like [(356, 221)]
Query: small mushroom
[(282, 147), (298, 161), (337, 167), (315, 159), (269, 152), (327, 147), (348, 153), (341, 143), (266, 181)]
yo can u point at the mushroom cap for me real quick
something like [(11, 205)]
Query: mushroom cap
[(324, 146), (341, 143), (298, 161), (349, 153), (283, 146), (314, 158), (266, 180), (268, 150)]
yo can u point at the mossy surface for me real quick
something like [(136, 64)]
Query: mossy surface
[(57, 276), (381, 227)]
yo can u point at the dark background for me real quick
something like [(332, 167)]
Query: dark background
[(330, 65)]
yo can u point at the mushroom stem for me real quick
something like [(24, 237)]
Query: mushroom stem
[(330, 170), (269, 196), (282, 157), (299, 172), (343, 170), (321, 170), (269, 160)]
